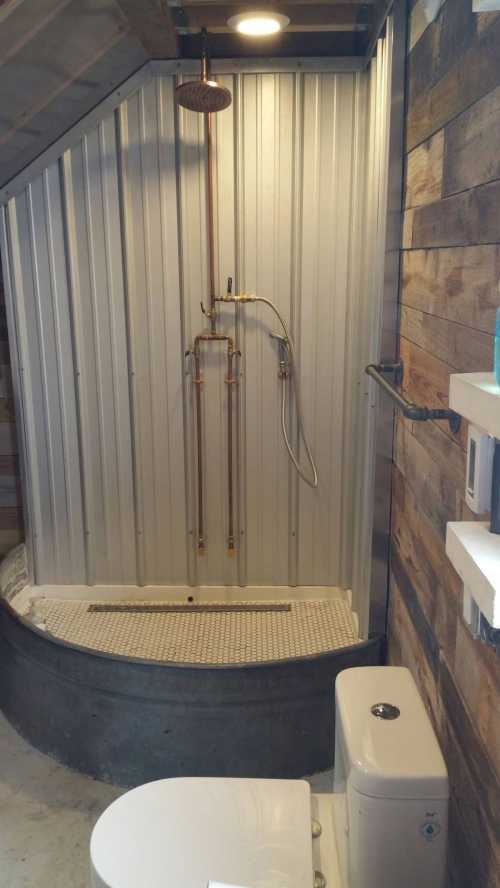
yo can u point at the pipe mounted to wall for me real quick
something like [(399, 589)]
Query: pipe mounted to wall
[(230, 380), (211, 313), (284, 374), (408, 408), (206, 96)]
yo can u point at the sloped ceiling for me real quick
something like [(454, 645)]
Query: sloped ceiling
[(60, 58)]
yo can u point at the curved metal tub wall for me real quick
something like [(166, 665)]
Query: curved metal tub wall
[(130, 721)]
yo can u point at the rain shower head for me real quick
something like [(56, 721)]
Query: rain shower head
[(205, 96)]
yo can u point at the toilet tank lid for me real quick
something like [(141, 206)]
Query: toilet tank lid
[(397, 757)]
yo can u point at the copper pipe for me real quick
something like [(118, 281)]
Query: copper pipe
[(199, 446), (210, 336), (230, 381), (205, 68), (217, 337), (212, 312)]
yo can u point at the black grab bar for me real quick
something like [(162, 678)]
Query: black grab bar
[(408, 408)]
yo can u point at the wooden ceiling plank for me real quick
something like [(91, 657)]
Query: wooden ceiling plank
[(152, 23), (7, 7), (61, 87), (24, 26)]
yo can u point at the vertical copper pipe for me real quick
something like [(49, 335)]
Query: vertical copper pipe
[(204, 67), (230, 382), (210, 223), (199, 445)]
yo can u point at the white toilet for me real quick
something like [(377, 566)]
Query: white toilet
[(384, 825)]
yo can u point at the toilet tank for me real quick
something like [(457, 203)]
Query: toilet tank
[(390, 783)]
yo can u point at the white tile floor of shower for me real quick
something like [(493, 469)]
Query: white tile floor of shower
[(47, 813)]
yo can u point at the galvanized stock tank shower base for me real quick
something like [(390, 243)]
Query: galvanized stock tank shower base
[(129, 720), (128, 690)]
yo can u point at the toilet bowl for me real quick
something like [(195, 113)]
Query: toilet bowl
[(384, 825)]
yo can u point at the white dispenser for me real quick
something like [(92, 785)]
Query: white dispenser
[(391, 784)]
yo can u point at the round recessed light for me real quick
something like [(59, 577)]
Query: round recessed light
[(259, 23)]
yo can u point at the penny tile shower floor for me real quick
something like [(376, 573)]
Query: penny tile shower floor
[(250, 632)]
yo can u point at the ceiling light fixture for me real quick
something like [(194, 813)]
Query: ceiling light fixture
[(259, 23)]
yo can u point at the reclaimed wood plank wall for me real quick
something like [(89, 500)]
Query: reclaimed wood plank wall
[(11, 517), (449, 296)]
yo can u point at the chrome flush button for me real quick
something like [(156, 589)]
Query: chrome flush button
[(316, 829), (386, 711)]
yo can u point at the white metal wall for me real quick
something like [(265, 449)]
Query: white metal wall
[(369, 324), (105, 254)]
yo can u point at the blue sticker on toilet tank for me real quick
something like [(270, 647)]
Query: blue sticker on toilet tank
[(430, 829)]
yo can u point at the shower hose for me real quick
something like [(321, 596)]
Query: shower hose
[(312, 481)]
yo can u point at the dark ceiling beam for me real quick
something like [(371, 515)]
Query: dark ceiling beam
[(382, 10), (302, 16), (284, 45), (151, 22), (275, 5)]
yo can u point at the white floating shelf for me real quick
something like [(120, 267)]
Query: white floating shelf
[(476, 397), (475, 554), (485, 5)]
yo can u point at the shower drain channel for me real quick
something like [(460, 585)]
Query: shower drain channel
[(189, 608)]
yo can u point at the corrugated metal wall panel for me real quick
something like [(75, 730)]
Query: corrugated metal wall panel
[(370, 308), (64, 408), (355, 324), (267, 140), (108, 258), (32, 374), (86, 290), (328, 125), (156, 362)]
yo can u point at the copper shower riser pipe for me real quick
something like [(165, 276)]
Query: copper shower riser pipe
[(230, 381), (212, 312), (199, 450)]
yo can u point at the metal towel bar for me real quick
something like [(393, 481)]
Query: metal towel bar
[(408, 408)]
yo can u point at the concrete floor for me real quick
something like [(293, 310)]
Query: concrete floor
[(47, 814)]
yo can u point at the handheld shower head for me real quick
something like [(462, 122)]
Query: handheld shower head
[(281, 339), (205, 95), (283, 349)]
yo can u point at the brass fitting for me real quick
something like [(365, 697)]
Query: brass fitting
[(239, 297)]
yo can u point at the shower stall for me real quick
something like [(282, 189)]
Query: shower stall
[(192, 300)]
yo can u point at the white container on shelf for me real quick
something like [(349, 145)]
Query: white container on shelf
[(476, 397)]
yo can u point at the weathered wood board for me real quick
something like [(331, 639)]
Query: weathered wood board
[(450, 292), (460, 284)]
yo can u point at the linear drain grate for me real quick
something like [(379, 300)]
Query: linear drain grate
[(189, 608)]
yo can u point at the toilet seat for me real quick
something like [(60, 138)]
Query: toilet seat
[(189, 831)]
